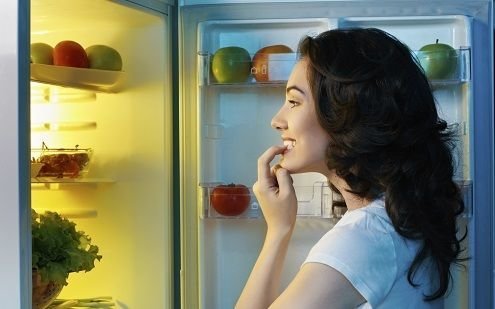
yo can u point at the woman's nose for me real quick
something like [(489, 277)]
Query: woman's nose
[(278, 123)]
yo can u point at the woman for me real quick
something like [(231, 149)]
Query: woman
[(359, 110)]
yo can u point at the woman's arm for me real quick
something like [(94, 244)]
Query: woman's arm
[(277, 199), (319, 286), (263, 284)]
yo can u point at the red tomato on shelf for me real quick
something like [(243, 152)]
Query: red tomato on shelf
[(70, 54), (230, 200)]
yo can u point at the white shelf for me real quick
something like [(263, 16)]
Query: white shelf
[(71, 213), (57, 183), (81, 78), (64, 126)]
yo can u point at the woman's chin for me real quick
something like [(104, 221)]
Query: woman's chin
[(289, 168)]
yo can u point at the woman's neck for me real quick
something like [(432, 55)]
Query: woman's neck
[(352, 201)]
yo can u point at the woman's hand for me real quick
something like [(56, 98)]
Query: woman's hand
[(275, 193)]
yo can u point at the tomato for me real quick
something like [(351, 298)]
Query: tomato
[(70, 54), (230, 200), (261, 65)]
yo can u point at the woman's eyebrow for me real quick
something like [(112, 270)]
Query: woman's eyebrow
[(289, 88)]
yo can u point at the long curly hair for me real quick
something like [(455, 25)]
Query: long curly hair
[(374, 100)]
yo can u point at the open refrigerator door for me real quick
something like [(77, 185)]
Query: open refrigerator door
[(103, 137), (229, 117), (14, 164)]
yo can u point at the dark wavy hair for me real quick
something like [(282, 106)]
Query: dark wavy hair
[(374, 100)]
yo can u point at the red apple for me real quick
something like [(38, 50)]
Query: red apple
[(41, 53), (70, 54), (104, 57), (264, 68)]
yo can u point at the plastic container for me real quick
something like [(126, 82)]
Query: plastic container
[(62, 162), (35, 168)]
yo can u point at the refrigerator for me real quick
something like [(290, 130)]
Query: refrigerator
[(164, 132)]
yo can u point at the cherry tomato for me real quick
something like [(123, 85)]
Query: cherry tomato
[(230, 200)]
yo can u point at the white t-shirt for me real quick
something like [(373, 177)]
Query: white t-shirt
[(365, 248)]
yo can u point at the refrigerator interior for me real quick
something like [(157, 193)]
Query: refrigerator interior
[(231, 124), (124, 199)]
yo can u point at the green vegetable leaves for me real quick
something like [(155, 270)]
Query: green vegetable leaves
[(59, 249)]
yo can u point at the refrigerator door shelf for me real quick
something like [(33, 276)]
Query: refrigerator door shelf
[(444, 68), (82, 78), (313, 201)]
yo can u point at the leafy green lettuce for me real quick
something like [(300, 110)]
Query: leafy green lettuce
[(59, 249)]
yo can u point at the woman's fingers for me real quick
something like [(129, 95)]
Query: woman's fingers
[(264, 171), (284, 181)]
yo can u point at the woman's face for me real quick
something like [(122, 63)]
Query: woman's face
[(300, 130)]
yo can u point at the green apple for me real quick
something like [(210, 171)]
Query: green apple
[(438, 60), (231, 64), (103, 57), (41, 53)]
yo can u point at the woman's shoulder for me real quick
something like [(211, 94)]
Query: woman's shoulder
[(361, 248), (371, 217), (367, 250), (370, 227)]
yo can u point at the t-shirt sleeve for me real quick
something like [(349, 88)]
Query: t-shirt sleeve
[(365, 256)]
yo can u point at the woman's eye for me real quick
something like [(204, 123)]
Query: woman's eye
[(292, 103)]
